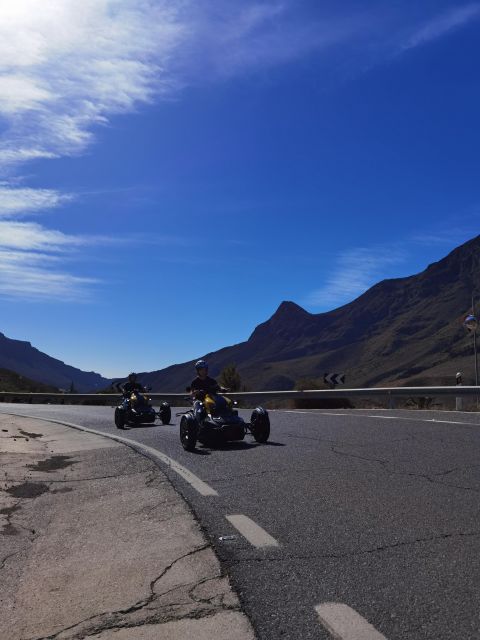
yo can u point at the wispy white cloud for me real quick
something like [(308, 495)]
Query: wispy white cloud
[(30, 276), (230, 39), (441, 25), (65, 67), (14, 201), (451, 237), (68, 66), (353, 273), (31, 263), (34, 237)]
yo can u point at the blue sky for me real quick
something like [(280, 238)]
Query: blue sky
[(171, 171)]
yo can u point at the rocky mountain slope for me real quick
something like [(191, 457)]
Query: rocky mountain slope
[(25, 360), (401, 331), (11, 381)]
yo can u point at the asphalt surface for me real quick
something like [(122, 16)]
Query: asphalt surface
[(377, 510)]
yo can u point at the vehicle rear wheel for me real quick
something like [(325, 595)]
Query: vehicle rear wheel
[(119, 418), (188, 432), (165, 413), (260, 424)]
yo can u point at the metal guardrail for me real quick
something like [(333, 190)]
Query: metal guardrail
[(178, 399)]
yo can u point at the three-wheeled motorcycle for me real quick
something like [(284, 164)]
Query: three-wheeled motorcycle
[(213, 420), (136, 408)]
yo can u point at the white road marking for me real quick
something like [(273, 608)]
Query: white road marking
[(199, 485), (449, 422), (329, 413), (363, 415), (250, 530), (345, 623)]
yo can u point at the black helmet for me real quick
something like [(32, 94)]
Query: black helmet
[(201, 364)]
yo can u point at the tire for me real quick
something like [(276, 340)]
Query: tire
[(120, 418), (260, 425), (188, 432), (165, 413)]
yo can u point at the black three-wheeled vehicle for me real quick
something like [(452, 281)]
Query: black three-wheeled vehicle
[(213, 421), (136, 408)]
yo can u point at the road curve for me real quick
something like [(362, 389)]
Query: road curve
[(345, 523)]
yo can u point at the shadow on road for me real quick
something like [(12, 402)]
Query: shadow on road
[(147, 425)]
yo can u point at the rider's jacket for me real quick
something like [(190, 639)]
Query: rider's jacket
[(129, 387), (209, 385)]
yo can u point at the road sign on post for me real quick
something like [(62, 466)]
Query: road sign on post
[(334, 378)]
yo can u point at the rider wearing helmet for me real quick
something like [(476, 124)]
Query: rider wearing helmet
[(201, 386), (131, 386), (203, 382), (130, 389)]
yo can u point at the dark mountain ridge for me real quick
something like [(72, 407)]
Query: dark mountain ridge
[(396, 331), (401, 331), (11, 381), (21, 357)]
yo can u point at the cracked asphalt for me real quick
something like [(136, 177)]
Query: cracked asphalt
[(378, 510), (85, 553)]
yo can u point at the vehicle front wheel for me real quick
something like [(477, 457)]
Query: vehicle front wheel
[(165, 413), (260, 425), (188, 432), (120, 418)]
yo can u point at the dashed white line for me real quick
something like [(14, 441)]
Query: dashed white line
[(363, 415), (344, 623), (469, 424), (250, 530), (199, 485)]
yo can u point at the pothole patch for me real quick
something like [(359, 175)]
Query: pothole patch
[(28, 490), (52, 464), (31, 435)]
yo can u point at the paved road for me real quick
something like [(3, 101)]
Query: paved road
[(375, 510)]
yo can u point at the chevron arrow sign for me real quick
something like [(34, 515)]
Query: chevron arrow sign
[(334, 378)]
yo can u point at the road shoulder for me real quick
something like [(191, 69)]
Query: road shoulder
[(96, 542)]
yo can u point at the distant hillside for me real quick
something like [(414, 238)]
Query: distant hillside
[(405, 330), (11, 381), (21, 357)]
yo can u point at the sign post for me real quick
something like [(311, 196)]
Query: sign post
[(471, 323)]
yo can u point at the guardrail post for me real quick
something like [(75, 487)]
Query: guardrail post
[(391, 401), (459, 399)]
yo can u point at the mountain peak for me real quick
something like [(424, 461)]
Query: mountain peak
[(288, 309), (288, 316)]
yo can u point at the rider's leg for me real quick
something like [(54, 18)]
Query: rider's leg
[(199, 410)]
